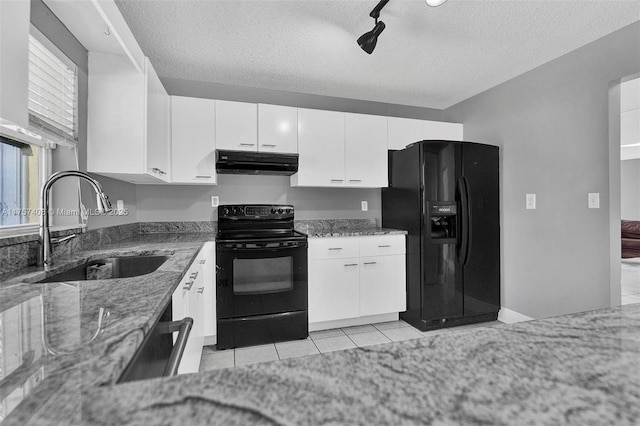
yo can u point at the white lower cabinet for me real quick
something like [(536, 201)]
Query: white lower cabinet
[(208, 265), (382, 284), (334, 289), (371, 283), (192, 299)]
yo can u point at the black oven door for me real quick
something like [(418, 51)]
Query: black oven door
[(260, 278)]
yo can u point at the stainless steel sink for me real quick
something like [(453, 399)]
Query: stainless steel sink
[(109, 268)]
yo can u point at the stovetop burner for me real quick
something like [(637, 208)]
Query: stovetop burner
[(243, 222)]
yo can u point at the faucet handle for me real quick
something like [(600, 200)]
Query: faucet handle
[(63, 239)]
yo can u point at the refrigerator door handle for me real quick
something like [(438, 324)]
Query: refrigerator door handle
[(465, 221)]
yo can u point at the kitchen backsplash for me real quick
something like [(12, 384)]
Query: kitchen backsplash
[(324, 226), (182, 227), (21, 251)]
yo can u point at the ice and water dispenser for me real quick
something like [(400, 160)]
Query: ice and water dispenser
[(443, 218)]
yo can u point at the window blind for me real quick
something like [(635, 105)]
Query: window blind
[(52, 94)]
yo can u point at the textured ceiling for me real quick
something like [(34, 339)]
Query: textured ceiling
[(429, 57)]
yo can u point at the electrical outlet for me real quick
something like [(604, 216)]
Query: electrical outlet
[(531, 201), (365, 206), (594, 200), (215, 201)]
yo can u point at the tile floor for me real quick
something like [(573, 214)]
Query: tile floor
[(630, 283), (322, 342)]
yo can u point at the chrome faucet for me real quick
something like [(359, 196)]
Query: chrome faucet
[(44, 249)]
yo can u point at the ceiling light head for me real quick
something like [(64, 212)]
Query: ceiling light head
[(434, 3), (368, 40)]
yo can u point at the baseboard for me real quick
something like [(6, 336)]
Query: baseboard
[(349, 322), (210, 340), (511, 317)]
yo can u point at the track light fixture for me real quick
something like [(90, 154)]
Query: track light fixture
[(368, 40)]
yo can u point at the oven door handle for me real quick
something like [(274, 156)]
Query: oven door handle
[(270, 246)]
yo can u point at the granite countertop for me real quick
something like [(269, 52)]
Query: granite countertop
[(51, 346), (343, 228), (575, 369)]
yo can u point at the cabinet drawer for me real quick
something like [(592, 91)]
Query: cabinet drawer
[(333, 248), (382, 245)]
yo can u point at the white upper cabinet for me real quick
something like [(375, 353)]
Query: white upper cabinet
[(158, 125), (193, 149), (128, 121), (440, 130), (321, 149), (14, 61), (366, 150), (236, 126), (277, 128), (404, 131)]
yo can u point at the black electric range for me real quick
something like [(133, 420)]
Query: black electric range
[(261, 266)]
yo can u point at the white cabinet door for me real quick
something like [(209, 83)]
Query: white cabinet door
[(196, 307), (179, 304), (277, 129), (128, 121), (333, 289), (382, 285), (158, 115), (333, 248), (193, 148), (320, 148), (404, 131), (382, 245), (14, 61), (442, 131), (187, 293), (207, 264), (236, 126), (366, 150)]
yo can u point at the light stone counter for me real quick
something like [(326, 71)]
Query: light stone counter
[(51, 349), (328, 228), (576, 369), (581, 369)]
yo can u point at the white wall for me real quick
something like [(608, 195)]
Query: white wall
[(176, 203), (552, 125), (630, 189), (630, 119), (630, 149)]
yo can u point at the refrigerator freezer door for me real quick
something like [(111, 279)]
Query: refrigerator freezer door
[(481, 268), (442, 295)]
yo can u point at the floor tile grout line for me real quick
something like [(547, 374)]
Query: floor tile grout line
[(314, 344), (392, 328), (349, 337)]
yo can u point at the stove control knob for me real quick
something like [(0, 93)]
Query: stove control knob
[(226, 211), (279, 211), (273, 211)]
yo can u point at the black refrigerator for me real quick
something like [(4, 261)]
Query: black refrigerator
[(445, 195)]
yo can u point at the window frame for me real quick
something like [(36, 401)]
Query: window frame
[(48, 136), (44, 169)]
